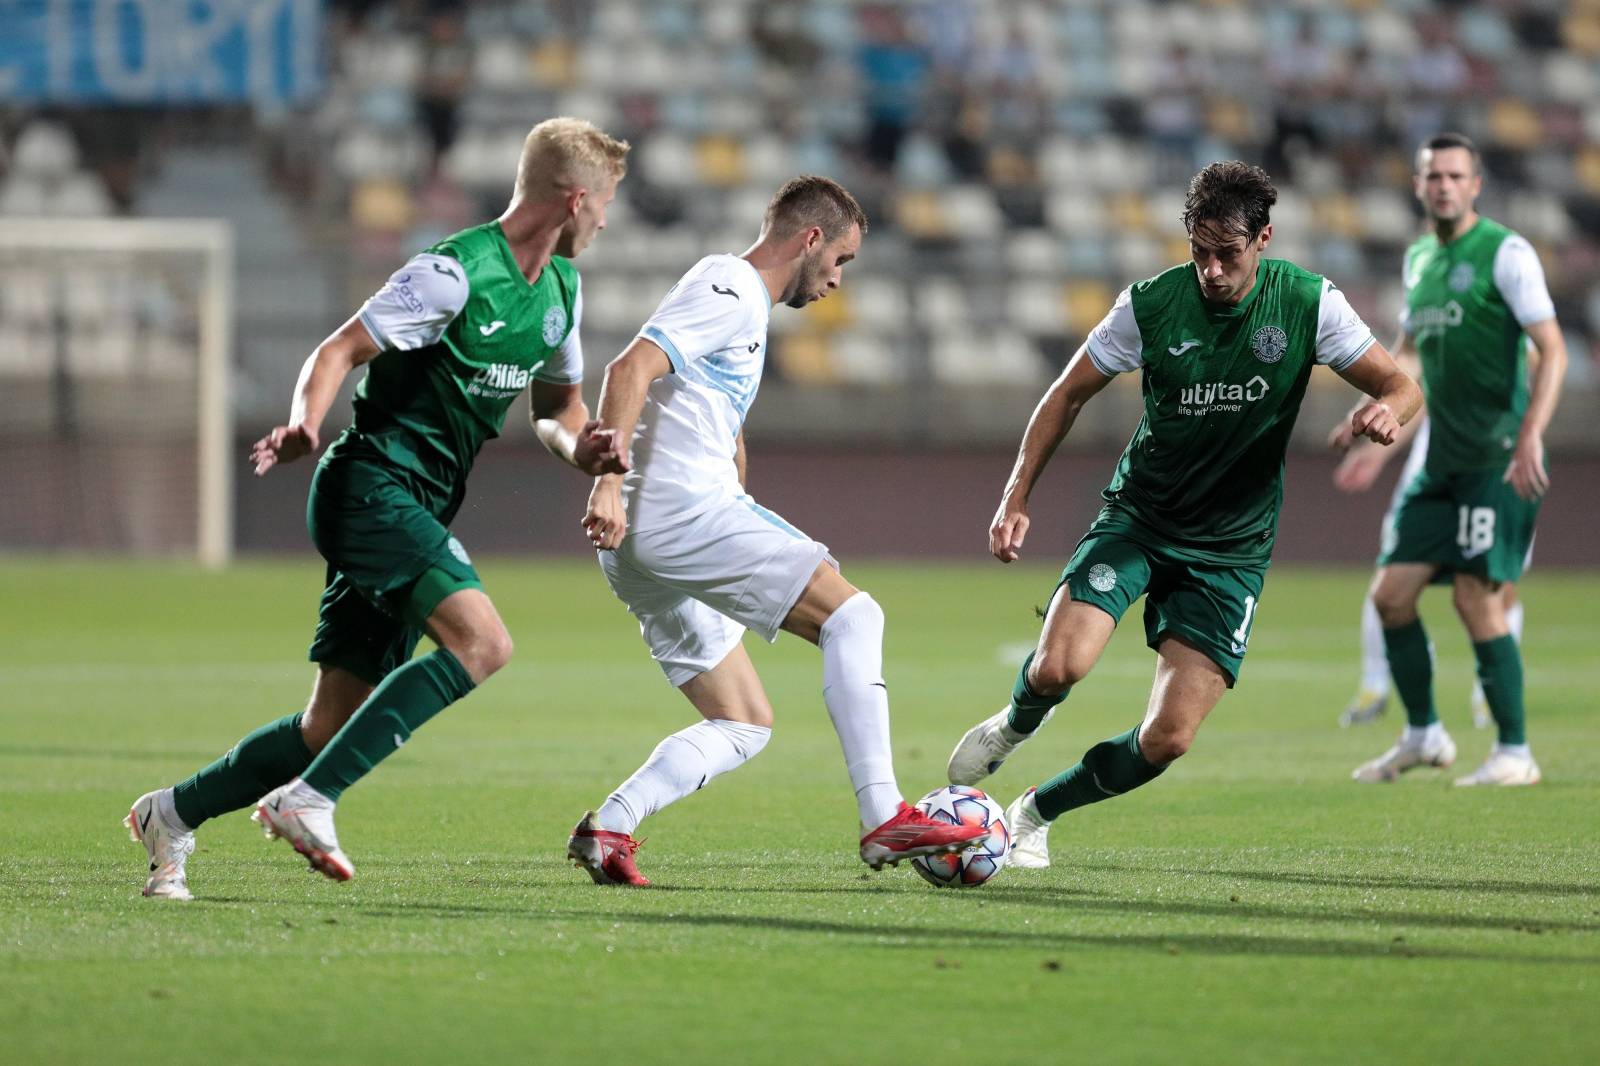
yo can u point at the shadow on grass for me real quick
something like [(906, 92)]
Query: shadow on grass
[(918, 936), (1074, 899), (1406, 882)]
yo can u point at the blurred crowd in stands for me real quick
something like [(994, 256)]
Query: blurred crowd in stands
[(1021, 161)]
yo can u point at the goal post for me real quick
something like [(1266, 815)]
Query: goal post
[(116, 407)]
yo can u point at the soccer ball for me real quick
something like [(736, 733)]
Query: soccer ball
[(958, 805)]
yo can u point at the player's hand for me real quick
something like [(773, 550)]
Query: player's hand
[(1375, 422), (1342, 436), (604, 520), (1359, 469), (595, 451), (1007, 531), (1526, 472), (284, 444)]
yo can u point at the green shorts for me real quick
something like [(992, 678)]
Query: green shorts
[(390, 563), (1210, 605), (1469, 523)]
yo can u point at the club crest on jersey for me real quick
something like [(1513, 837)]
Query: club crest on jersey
[(555, 325), (1461, 277), (1102, 578), (1269, 344)]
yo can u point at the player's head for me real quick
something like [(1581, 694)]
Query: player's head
[(574, 161), (1449, 176), (1228, 215), (824, 225)]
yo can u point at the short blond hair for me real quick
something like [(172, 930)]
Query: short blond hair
[(568, 153)]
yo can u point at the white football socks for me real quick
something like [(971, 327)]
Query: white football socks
[(1374, 658), (1423, 737), (858, 702), (682, 763)]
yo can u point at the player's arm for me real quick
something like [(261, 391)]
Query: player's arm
[(561, 422), (1363, 460), (738, 456), (324, 371), (622, 395), (1526, 473), (1395, 397), (1047, 428), (411, 311)]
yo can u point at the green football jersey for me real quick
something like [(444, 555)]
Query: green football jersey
[(1466, 304), (1222, 386), (463, 333)]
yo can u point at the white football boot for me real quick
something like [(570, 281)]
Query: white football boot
[(1368, 705), (1503, 768), (1030, 848), (986, 746), (301, 815), (1482, 718), (167, 847), (1402, 757)]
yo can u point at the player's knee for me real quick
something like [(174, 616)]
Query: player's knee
[(1160, 747), (1053, 674), (483, 654), (1395, 607)]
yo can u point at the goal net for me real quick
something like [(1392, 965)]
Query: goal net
[(116, 431)]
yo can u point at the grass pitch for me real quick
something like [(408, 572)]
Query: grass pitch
[(1253, 905)]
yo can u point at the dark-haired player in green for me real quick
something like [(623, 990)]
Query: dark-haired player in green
[(1226, 345), (449, 342), (1475, 296)]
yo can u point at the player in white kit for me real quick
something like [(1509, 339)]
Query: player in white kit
[(698, 562)]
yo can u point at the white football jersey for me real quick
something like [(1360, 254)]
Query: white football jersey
[(713, 326)]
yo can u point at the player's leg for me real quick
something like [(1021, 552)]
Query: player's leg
[(847, 625), (1424, 741), (1481, 606), (1187, 686), (1105, 575), (472, 644), (1198, 618), (1482, 718), (700, 652), (354, 645)]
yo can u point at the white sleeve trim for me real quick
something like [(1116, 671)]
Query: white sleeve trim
[(566, 366), (1115, 345), (417, 304), (1342, 337), (1520, 279)]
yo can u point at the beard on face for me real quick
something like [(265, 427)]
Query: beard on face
[(805, 281)]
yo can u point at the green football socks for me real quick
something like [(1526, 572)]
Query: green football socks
[(271, 756), (1500, 670), (1028, 709), (1108, 769), (400, 704), (1411, 666)]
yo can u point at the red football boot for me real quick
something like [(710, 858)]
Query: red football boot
[(910, 833), (606, 855)]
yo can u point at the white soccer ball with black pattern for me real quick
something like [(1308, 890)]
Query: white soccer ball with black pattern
[(964, 805)]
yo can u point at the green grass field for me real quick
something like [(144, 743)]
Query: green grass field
[(1254, 905)]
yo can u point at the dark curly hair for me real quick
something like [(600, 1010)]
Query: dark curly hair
[(1233, 196)]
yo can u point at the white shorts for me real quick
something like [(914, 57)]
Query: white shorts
[(695, 587)]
